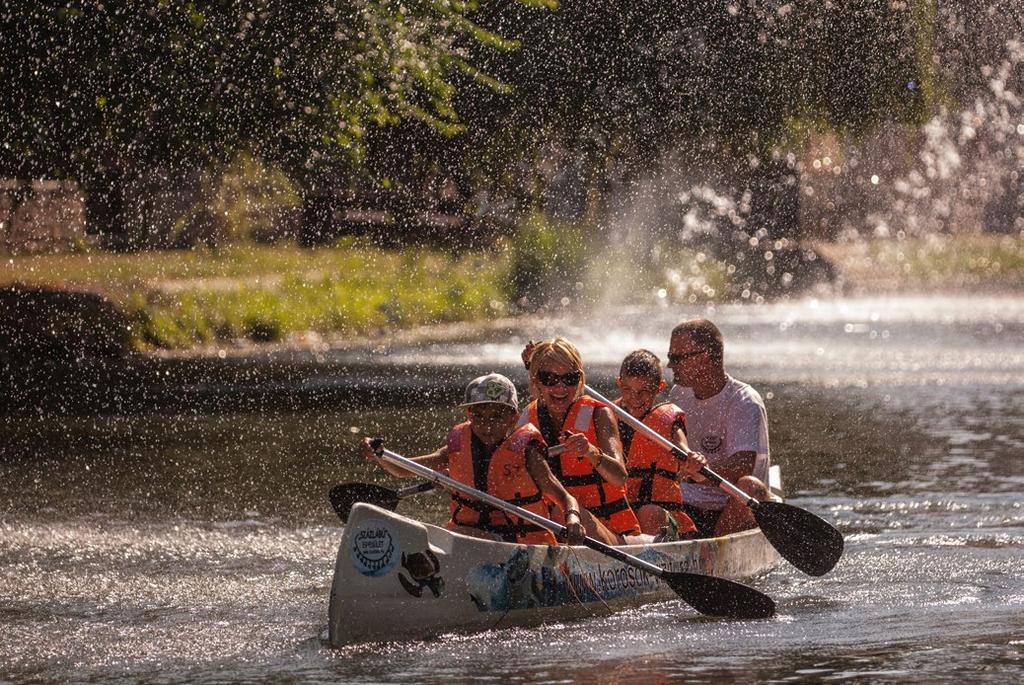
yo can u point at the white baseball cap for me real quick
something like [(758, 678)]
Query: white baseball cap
[(491, 389)]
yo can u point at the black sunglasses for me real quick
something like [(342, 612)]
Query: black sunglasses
[(550, 379), (676, 358)]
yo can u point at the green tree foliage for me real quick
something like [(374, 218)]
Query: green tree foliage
[(628, 79), (91, 89), (95, 90), (548, 260)]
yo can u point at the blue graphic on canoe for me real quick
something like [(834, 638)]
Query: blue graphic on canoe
[(566, 579), (375, 549)]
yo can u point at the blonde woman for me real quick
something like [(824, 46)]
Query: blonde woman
[(592, 467)]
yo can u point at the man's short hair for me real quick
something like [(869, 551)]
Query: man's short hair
[(704, 335), (641, 364)]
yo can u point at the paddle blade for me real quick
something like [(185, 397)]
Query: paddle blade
[(715, 596), (805, 540), (344, 496)]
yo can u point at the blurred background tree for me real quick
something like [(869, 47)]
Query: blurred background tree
[(616, 85), (381, 100), (114, 94)]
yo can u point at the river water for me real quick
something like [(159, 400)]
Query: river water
[(191, 540)]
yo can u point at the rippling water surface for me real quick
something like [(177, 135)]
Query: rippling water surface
[(170, 546)]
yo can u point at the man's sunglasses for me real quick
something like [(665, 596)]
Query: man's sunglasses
[(569, 380), (676, 358)]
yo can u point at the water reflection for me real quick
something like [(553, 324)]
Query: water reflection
[(853, 443), (194, 543)]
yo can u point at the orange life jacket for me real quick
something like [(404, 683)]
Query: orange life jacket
[(604, 500), (654, 470), (504, 476)]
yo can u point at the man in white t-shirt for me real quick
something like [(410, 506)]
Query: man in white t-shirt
[(725, 420)]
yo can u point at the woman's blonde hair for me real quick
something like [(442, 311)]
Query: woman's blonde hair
[(558, 350)]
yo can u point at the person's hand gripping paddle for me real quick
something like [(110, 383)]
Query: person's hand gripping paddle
[(805, 540), (707, 594)]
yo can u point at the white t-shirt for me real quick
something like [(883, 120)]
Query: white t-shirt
[(732, 421)]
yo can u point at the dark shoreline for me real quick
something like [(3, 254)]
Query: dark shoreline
[(348, 373), (342, 373)]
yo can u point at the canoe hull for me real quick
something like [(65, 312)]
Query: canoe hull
[(396, 578)]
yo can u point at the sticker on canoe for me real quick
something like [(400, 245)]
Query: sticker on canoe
[(424, 570), (374, 548), (516, 584)]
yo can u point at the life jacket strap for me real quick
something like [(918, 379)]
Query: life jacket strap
[(484, 508), (609, 508), (669, 506), (641, 472), (593, 478)]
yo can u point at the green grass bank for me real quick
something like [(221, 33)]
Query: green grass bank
[(946, 264), (183, 299), (187, 299)]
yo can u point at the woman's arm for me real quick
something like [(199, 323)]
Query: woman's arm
[(606, 455), (549, 485)]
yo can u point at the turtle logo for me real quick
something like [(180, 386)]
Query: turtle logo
[(423, 568), (494, 391)]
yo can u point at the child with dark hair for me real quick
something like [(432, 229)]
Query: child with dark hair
[(652, 484)]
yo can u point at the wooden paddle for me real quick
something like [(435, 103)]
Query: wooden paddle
[(707, 594), (805, 540)]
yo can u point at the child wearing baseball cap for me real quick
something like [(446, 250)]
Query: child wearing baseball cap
[(488, 448)]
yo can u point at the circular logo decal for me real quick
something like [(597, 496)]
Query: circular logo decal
[(710, 443), (374, 548)]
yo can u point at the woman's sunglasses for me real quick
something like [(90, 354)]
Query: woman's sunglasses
[(569, 380)]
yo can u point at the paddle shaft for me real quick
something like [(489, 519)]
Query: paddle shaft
[(667, 444), (553, 451), (415, 489), (558, 529)]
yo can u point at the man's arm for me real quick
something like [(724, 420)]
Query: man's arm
[(747, 435), (736, 465)]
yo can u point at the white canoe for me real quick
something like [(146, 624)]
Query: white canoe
[(396, 578)]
